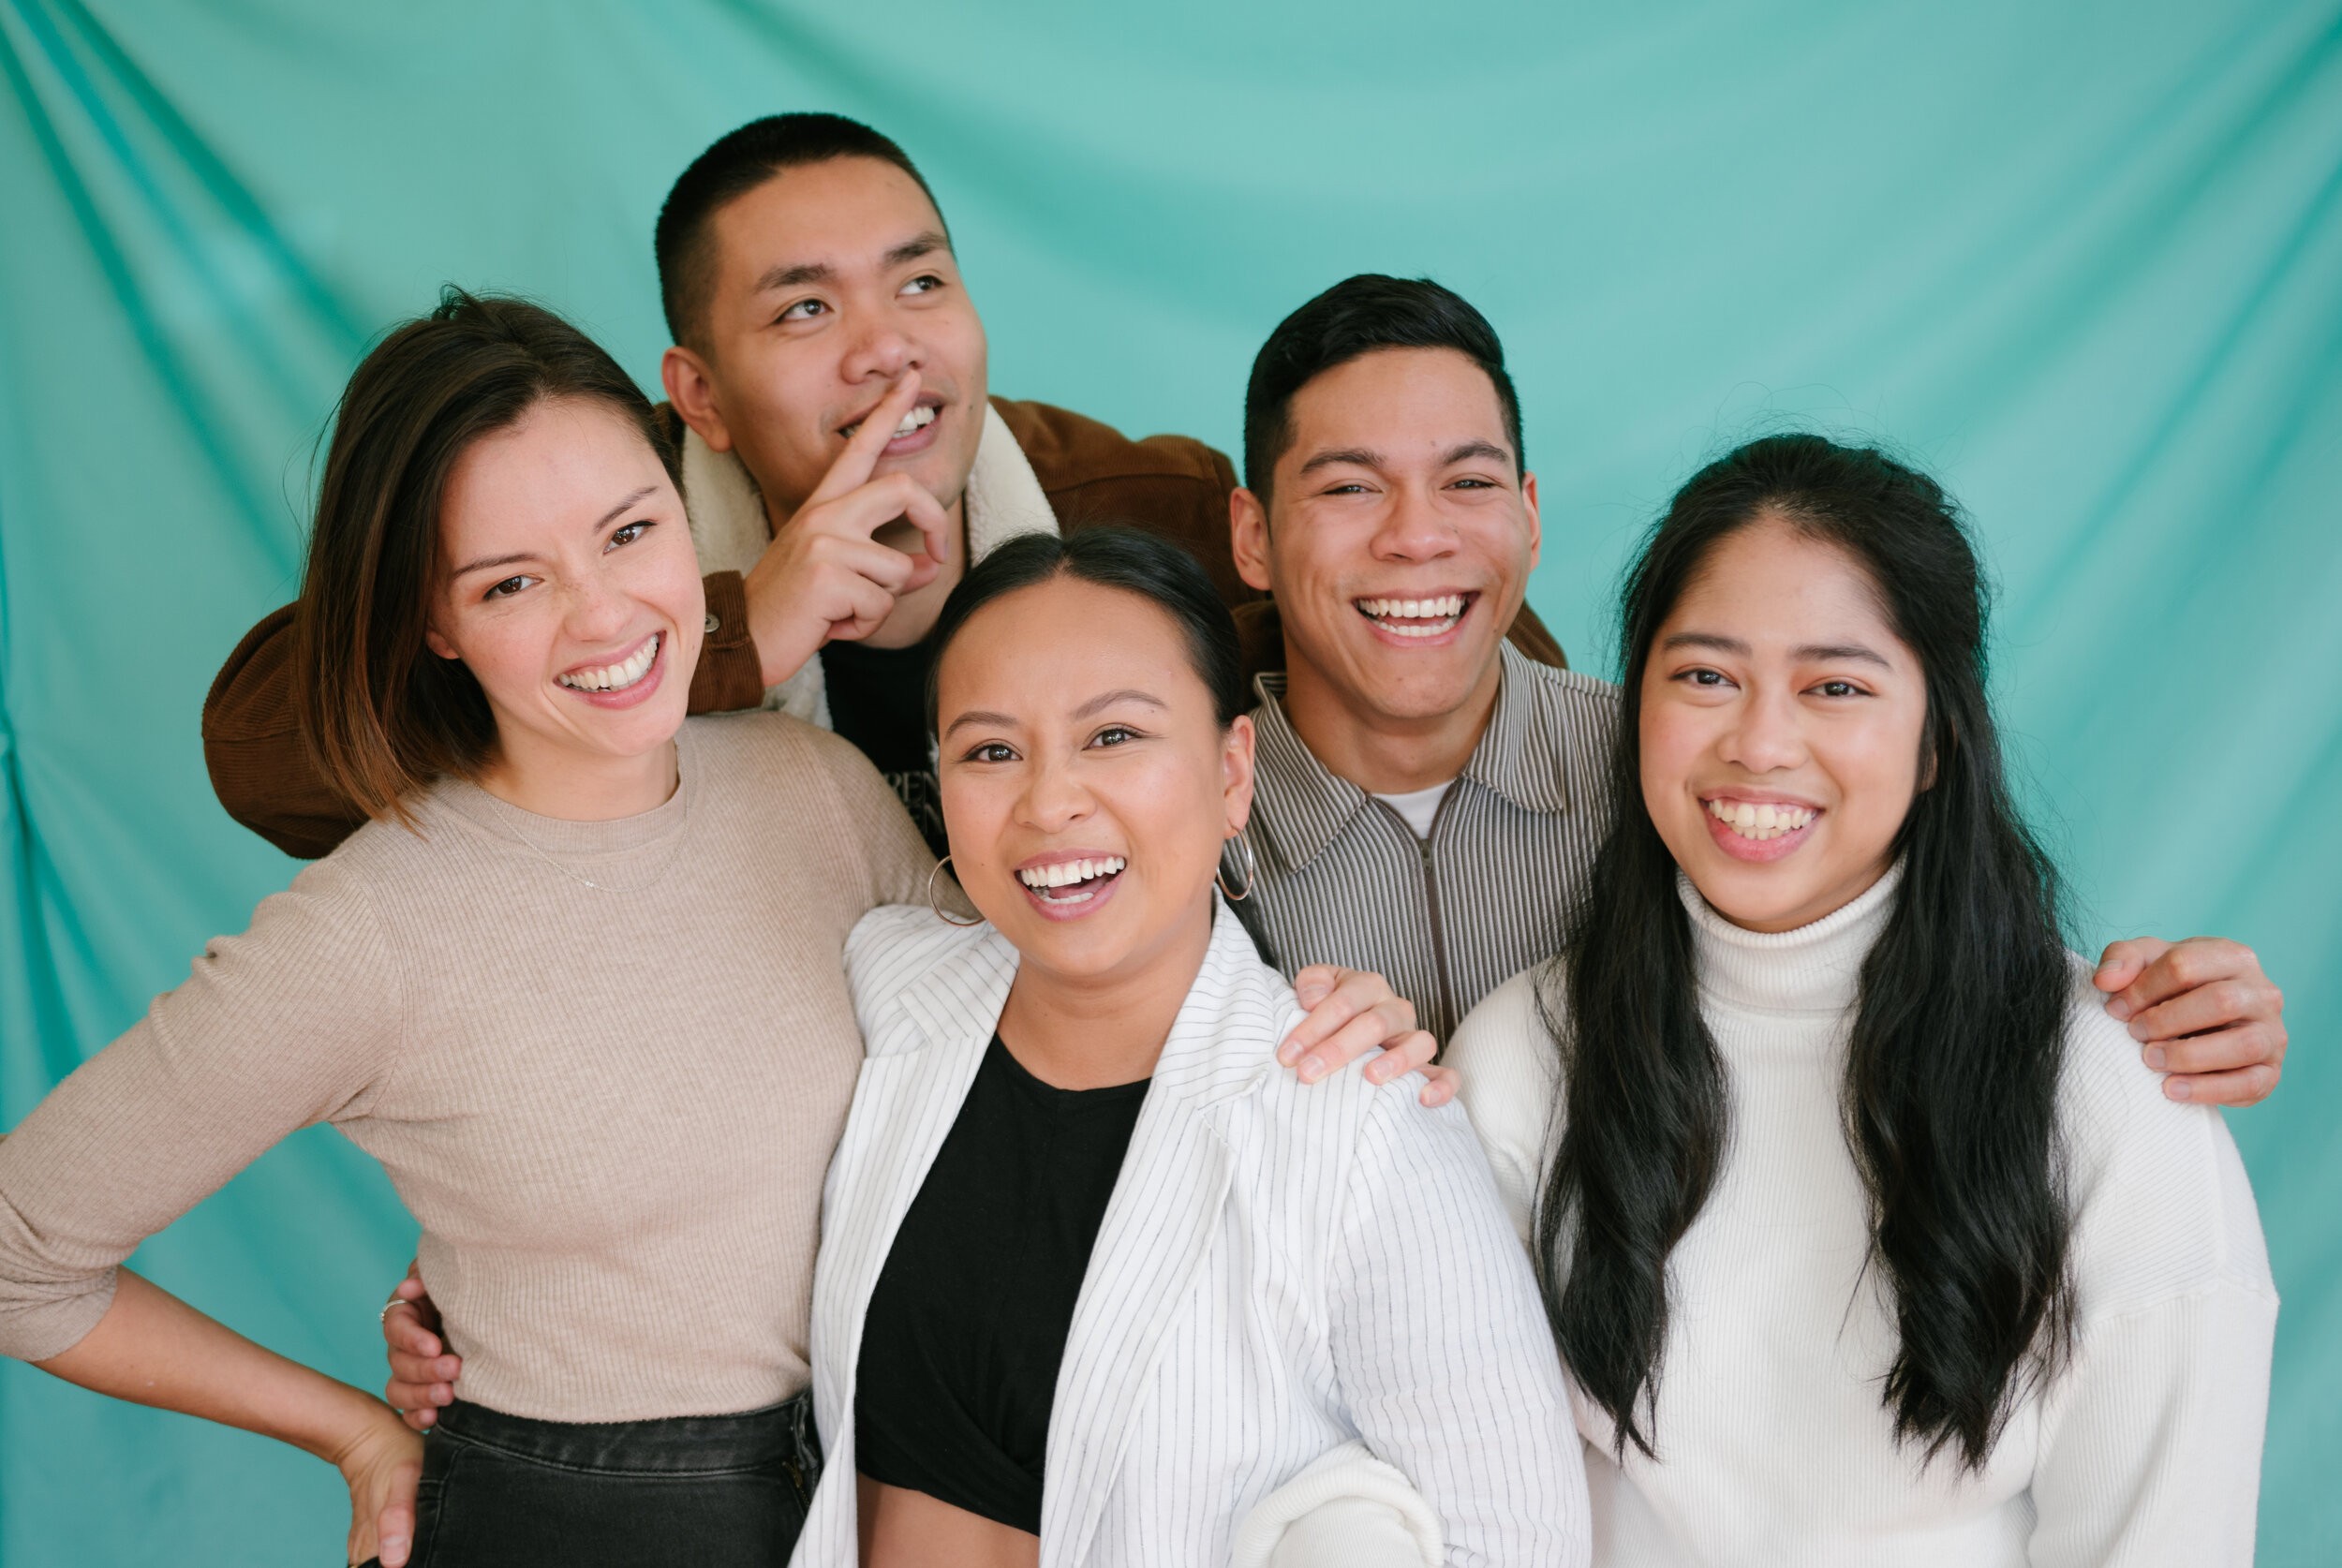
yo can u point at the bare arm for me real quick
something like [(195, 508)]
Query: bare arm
[(153, 1349)]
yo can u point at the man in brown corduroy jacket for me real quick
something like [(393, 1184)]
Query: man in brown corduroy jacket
[(808, 275)]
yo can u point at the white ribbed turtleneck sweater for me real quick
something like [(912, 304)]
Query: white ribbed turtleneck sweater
[(1774, 1445)]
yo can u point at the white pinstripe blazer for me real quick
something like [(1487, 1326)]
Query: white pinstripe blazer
[(1282, 1267)]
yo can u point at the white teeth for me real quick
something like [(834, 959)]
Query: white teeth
[(1406, 617), (614, 677), (1071, 873), (918, 419), (1760, 821), (1414, 609)]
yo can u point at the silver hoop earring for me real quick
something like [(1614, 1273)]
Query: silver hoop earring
[(937, 907), (1251, 872)]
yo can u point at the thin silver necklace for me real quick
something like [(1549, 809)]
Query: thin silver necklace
[(682, 819)]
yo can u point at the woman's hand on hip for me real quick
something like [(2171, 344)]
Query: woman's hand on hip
[(381, 1464), (423, 1372), (1352, 1012)]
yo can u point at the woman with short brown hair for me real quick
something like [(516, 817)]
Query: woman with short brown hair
[(577, 988)]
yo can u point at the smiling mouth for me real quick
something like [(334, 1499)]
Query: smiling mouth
[(614, 677), (1072, 882), (1761, 822), (1416, 617), (921, 416)]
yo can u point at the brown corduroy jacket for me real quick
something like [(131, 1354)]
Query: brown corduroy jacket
[(1093, 475)]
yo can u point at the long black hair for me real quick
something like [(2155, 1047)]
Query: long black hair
[(1953, 1068)]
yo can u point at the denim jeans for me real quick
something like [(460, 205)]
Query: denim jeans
[(713, 1490)]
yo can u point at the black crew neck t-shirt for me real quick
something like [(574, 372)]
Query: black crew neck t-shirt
[(966, 1325), (878, 699)]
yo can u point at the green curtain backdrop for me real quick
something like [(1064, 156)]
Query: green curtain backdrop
[(2084, 260)]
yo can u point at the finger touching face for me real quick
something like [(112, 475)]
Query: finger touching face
[(1087, 783), (570, 587), (831, 281), (1780, 726)]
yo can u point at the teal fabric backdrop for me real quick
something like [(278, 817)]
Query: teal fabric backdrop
[(2084, 260)]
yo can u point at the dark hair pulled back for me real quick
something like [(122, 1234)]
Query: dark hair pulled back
[(1137, 563), (1950, 1096)]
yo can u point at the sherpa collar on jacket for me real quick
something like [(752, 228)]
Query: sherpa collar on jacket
[(1005, 500)]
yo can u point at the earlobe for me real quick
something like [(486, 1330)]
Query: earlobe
[(1236, 772), (692, 391), (438, 645)]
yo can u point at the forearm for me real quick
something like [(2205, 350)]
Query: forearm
[(153, 1349)]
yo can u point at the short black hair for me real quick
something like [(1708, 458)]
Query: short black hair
[(1139, 563), (739, 162), (1353, 318)]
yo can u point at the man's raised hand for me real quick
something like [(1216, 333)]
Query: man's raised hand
[(823, 576)]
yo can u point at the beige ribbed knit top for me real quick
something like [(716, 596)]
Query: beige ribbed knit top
[(610, 1107)]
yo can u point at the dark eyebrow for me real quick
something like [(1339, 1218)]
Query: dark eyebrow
[(1705, 639), (926, 243), (1107, 699), (600, 524), (977, 716), (1357, 455), (1488, 449), (788, 275), (486, 561), (1824, 652), (1811, 652), (612, 515)]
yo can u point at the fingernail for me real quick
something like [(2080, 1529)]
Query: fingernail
[(2119, 1009), (2138, 1031), (2178, 1089), (1286, 1054), (1312, 1070), (2155, 1059)]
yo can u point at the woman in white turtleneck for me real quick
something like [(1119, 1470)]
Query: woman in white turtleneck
[(1865, 1235)]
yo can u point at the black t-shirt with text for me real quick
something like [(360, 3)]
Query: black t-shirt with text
[(878, 699)]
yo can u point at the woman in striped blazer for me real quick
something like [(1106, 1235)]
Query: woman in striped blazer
[(1099, 1282)]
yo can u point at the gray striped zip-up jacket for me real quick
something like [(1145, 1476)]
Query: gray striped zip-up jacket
[(1341, 878)]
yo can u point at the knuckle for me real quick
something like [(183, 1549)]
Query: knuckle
[(2183, 966)]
